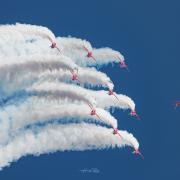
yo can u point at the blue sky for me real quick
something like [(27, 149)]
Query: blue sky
[(147, 33)]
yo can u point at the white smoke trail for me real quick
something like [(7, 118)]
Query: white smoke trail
[(35, 111), (55, 91), (71, 47), (13, 70), (54, 138), (93, 77), (8, 36), (74, 48), (107, 101), (25, 71), (30, 30), (24, 39), (102, 99), (35, 88), (86, 77), (107, 55)]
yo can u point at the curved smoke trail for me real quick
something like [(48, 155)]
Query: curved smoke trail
[(46, 103), (54, 138)]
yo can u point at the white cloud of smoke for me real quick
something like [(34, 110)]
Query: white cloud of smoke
[(43, 107)]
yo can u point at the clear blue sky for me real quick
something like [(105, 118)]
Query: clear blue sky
[(148, 34)]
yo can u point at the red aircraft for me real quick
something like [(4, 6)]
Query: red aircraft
[(74, 76), (54, 45), (123, 64), (89, 54), (93, 111), (177, 103), (133, 113), (136, 151), (115, 131), (112, 93)]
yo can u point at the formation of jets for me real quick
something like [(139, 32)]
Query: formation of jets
[(115, 130), (110, 92), (90, 54)]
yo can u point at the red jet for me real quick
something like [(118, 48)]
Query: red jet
[(75, 76), (123, 64), (89, 54), (177, 103), (93, 111), (112, 93), (136, 151), (133, 113), (54, 45), (115, 131)]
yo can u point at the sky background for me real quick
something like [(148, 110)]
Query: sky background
[(147, 33)]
